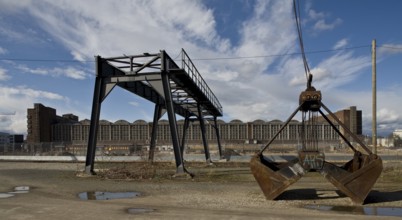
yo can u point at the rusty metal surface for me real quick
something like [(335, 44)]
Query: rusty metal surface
[(272, 178), (310, 100), (356, 178), (311, 160)]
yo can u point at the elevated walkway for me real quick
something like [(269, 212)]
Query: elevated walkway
[(142, 75), (175, 89)]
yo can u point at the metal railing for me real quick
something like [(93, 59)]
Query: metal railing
[(189, 67)]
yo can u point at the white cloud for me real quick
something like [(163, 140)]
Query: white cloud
[(388, 116), (340, 44), (315, 15), (337, 70), (259, 88), (3, 75), (322, 25), (72, 72), (128, 27), (23, 91), (18, 100), (135, 104), (239, 84), (3, 51), (340, 69), (320, 19), (69, 72), (389, 49)]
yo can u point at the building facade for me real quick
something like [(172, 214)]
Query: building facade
[(397, 133), (44, 125), (10, 142), (351, 118), (40, 120)]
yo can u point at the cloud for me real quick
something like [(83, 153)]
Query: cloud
[(239, 84), (336, 70), (3, 75), (70, 72), (19, 99), (249, 89), (117, 30), (389, 49), (312, 14), (320, 20), (341, 44), (3, 51), (135, 104), (322, 25), (22, 91), (388, 116)]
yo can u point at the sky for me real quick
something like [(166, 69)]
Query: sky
[(246, 50)]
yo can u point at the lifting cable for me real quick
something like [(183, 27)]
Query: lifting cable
[(309, 130), (296, 10)]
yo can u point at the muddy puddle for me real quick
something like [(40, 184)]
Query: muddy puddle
[(139, 210), (360, 210), (17, 190), (107, 195)]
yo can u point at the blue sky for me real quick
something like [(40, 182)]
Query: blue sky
[(47, 49)]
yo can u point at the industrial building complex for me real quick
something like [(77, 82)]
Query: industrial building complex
[(46, 129)]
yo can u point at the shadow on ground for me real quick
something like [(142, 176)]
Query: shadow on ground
[(376, 196), (306, 194)]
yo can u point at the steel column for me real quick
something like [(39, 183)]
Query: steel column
[(171, 114), (185, 127), (157, 116), (204, 139), (337, 131), (280, 130), (96, 107), (347, 129), (218, 138)]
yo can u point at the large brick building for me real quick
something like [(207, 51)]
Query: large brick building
[(41, 120)]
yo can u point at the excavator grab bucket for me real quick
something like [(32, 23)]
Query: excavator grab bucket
[(274, 178), (356, 178)]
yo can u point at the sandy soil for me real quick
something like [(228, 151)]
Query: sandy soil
[(224, 191)]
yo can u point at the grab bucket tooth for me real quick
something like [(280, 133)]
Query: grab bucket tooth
[(274, 178), (356, 178)]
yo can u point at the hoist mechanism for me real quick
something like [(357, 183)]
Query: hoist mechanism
[(310, 99), (354, 179)]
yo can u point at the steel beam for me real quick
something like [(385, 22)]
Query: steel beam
[(171, 114), (185, 127), (204, 139), (337, 131), (96, 107), (347, 129), (218, 138), (280, 130), (157, 116)]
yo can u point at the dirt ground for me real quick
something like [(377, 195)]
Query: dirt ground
[(221, 191)]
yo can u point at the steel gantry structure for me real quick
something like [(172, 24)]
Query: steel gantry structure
[(172, 88)]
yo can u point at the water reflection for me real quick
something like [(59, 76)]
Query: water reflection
[(17, 190), (139, 210), (20, 189), (107, 195), (362, 210), (5, 195)]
